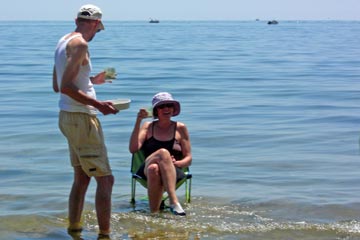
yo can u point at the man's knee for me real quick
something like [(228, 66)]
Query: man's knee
[(80, 177), (111, 180), (106, 181)]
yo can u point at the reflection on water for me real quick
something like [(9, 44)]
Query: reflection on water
[(205, 220)]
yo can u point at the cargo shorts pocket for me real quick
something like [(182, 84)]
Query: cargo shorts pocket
[(94, 161)]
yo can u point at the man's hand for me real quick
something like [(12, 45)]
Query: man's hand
[(106, 108), (100, 79)]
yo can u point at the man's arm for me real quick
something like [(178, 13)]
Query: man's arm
[(76, 54), (54, 83)]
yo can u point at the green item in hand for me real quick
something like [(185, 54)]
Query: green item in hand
[(110, 73)]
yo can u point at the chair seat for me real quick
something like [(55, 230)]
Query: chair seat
[(137, 160)]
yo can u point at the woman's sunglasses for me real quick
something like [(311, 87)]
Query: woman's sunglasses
[(168, 105)]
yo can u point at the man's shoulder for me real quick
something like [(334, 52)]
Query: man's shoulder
[(76, 40)]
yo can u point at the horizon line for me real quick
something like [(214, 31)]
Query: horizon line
[(178, 20)]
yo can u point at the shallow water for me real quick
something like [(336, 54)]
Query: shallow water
[(272, 111)]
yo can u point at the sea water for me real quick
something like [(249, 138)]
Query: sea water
[(273, 113)]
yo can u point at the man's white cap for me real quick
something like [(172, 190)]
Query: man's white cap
[(91, 12)]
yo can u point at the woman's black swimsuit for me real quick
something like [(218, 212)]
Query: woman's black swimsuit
[(152, 144)]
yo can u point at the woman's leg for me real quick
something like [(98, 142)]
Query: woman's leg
[(155, 187), (161, 174)]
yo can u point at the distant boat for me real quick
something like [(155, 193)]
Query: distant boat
[(273, 22), (154, 21)]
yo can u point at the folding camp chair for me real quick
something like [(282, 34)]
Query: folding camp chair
[(137, 159)]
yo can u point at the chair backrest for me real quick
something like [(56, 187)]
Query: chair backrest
[(137, 160)]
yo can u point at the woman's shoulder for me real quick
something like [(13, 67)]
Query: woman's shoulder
[(180, 125), (146, 125)]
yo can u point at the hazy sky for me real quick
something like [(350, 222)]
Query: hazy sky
[(186, 9)]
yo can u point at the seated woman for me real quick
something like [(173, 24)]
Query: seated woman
[(166, 145)]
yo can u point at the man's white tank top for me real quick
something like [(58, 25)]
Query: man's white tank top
[(83, 82)]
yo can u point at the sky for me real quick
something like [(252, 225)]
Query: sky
[(185, 9)]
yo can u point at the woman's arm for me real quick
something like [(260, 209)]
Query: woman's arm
[(139, 132), (185, 146)]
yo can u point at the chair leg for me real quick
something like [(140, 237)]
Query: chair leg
[(188, 191), (162, 205), (133, 189)]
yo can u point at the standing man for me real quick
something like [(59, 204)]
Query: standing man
[(78, 121)]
